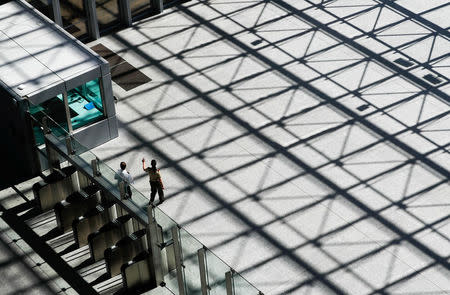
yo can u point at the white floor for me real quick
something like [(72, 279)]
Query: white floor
[(292, 144)]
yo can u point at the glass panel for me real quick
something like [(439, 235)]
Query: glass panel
[(110, 177), (85, 104), (140, 8), (216, 270), (37, 130), (107, 13), (42, 6), (87, 158), (242, 286), (54, 108), (74, 17), (165, 222), (189, 248), (172, 282), (138, 198)]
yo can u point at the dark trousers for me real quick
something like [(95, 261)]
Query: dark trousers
[(129, 193), (155, 186)]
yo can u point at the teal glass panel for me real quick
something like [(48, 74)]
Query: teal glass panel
[(91, 91), (53, 108), (85, 104)]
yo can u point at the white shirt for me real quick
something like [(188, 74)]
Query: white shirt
[(125, 175)]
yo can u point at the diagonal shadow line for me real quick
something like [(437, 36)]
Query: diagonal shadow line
[(365, 255), (362, 182), (303, 140), (316, 92), (291, 157), (431, 49), (377, 18), (395, 49), (365, 51), (45, 251), (416, 17), (405, 278), (383, 109), (349, 91), (20, 258), (323, 75), (223, 202), (390, 268), (391, 205)]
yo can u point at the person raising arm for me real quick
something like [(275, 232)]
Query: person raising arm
[(156, 184)]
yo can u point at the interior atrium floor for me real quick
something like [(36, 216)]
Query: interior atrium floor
[(306, 143)]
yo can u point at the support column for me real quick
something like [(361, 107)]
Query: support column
[(125, 13), (56, 12), (92, 21), (157, 5)]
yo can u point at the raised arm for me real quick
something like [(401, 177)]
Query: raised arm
[(143, 164)]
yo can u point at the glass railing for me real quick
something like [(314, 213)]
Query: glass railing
[(215, 268)]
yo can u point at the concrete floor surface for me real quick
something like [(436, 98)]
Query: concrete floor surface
[(306, 143)]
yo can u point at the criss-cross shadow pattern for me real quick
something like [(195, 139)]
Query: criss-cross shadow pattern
[(304, 142)]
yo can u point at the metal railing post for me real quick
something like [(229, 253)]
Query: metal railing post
[(70, 150), (178, 259), (45, 125), (201, 253), (95, 169), (229, 282)]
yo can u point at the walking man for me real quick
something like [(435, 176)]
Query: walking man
[(125, 176), (156, 184)]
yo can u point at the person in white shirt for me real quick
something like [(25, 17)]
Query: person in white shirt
[(124, 175)]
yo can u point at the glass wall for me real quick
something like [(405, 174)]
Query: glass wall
[(43, 7), (54, 108), (74, 17), (85, 107), (189, 246), (107, 14), (85, 104), (140, 8)]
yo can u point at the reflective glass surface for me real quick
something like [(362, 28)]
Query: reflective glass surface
[(107, 13), (85, 103), (108, 179), (74, 17)]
